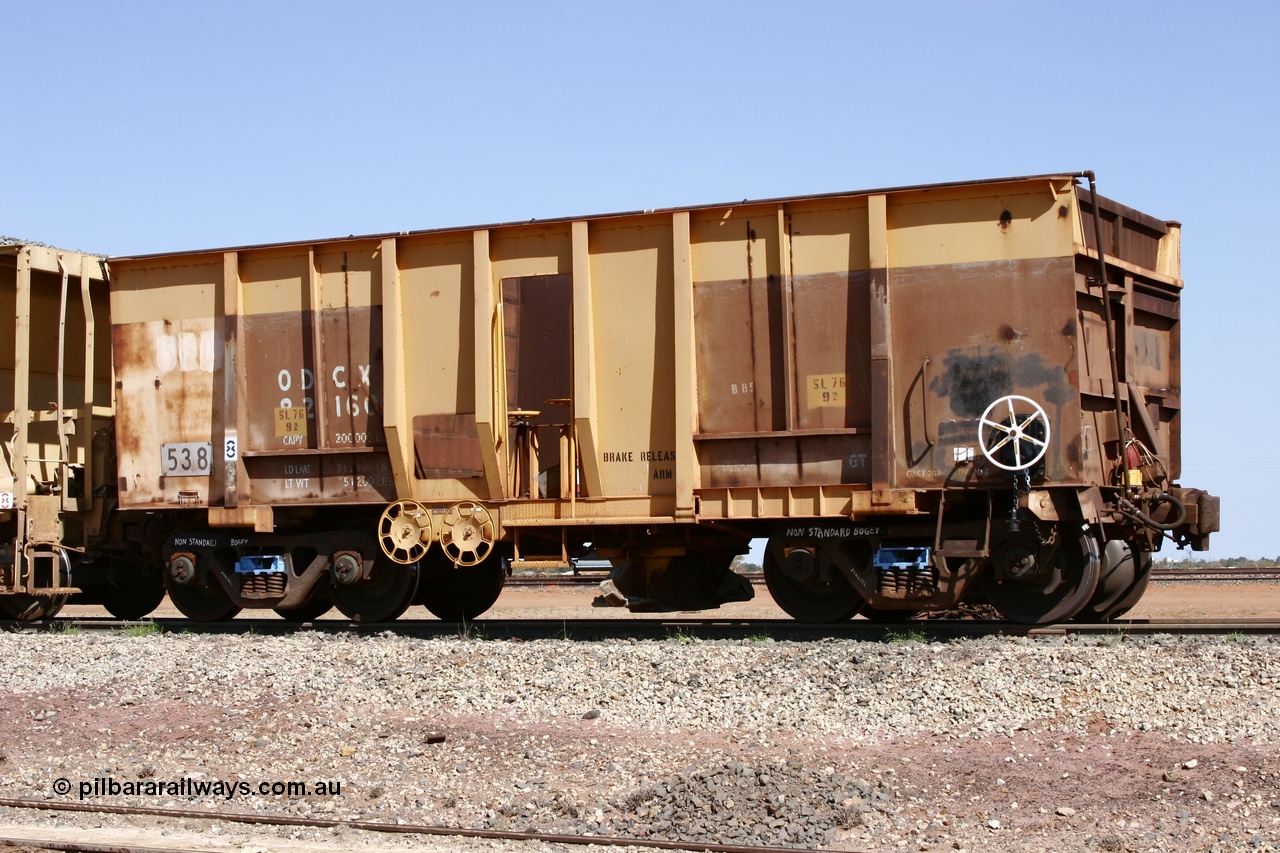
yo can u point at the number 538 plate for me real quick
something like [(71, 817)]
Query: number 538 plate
[(186, 459)]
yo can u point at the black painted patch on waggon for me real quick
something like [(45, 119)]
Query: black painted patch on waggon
[(971, 382)]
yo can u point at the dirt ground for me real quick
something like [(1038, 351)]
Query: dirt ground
[(1040, 787), (1162, 601)]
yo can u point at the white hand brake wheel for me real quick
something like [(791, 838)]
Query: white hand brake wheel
[(1025, 431)]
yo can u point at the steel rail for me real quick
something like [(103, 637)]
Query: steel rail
[(392, 828), (1215, 574), (553, 580), (587, 579), (1158, 575), (1144, 627), (82, 847), (568, 629), (587, 630)]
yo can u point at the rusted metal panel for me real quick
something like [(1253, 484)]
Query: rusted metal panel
[(785, 460), (741, 384), (294, 393), (982, 331), (166, 374), (741, 388), (883, 444), (322, 479), (259, 517), (1153, 355), (303, 371), (1154, 372), (282, 375), (1130, 235), (1094, 367), (167, 330), (833, 350), (447, 447), (348, 294), (351, 386), (537, 316)]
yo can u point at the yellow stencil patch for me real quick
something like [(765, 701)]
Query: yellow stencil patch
[(826, 390), (291, 420)]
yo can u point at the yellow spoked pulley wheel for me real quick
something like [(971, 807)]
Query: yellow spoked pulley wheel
[(404, 531), (467, 533)]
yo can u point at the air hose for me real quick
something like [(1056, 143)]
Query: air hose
[(1131, 509)]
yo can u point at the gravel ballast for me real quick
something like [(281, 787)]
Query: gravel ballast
[(1114, 743)]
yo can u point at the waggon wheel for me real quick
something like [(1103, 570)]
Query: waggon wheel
[(460, 593), (1126, 571), (140, 593), (313, 608), (1038, 583), (1130, 599), (207, 602), (31, 608), (381, 597), (804, 590)]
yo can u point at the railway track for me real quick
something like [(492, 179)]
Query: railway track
[(542, 580), (1216, 574), (588, 630), (1207, 574), (329, 823)]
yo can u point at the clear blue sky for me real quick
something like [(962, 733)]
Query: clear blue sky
[(140, 127)]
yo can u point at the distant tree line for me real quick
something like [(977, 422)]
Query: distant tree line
[(1228, 563)]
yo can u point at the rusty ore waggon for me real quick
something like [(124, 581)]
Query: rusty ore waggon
[(58, 513), (919, 396)]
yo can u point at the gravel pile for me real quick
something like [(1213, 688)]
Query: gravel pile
[(18, 241), (776, 802), (986, 744)]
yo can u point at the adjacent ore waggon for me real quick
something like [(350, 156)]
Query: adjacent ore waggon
[(61, 532), (920, 397)]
